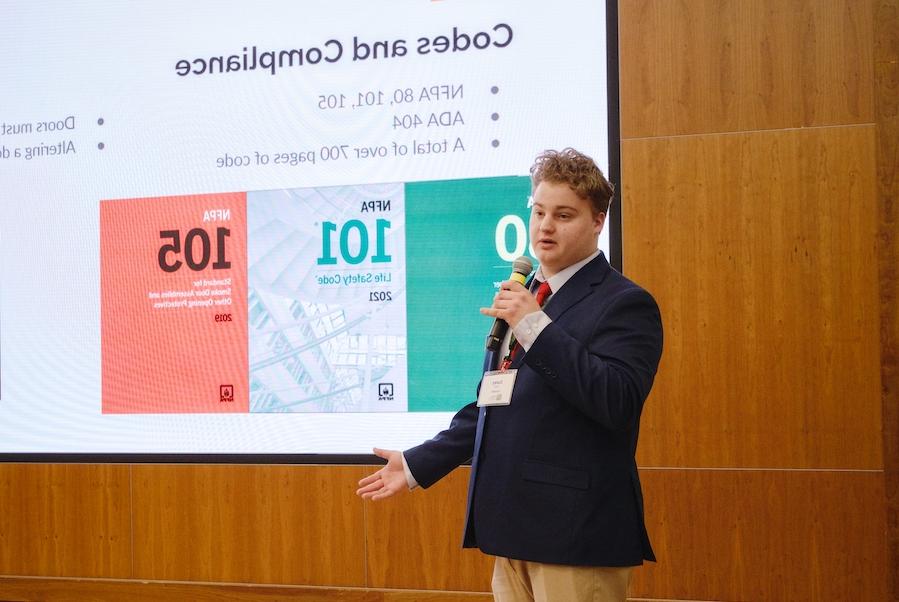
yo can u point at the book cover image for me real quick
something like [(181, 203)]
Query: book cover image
[(327, 299), (174, 304)]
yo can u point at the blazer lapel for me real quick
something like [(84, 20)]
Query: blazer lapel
[(578, 286)]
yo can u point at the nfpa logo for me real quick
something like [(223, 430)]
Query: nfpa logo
[(385, 391)]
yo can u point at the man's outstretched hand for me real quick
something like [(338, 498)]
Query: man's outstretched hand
[(389, 480)]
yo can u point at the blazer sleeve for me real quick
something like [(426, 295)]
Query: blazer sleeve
[(607, 371), (435, 458)]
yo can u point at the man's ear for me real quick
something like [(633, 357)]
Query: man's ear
[(599, 221)]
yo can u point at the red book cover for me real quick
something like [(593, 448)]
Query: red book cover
[(174, 304)]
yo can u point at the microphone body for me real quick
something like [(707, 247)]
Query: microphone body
[(521, 269)]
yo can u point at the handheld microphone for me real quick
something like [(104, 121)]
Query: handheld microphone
[(521, 269)]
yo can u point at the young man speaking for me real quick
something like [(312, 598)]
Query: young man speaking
[(554, 491)]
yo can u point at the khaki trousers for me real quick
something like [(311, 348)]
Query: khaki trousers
[(523, 581)]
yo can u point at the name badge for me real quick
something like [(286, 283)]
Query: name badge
[(496, 388)]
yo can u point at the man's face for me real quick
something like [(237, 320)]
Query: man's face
[(563, 227)]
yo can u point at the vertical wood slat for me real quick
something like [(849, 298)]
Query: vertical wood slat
[(249, 524), (886, 94), (761, 250), (65, 520), (764, 535), (702, 66)]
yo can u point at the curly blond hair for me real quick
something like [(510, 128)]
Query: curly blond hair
[(578, 171)]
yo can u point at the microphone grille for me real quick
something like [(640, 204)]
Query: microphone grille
[(523, 265)]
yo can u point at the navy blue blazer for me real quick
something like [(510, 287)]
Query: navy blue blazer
[(553, 475)]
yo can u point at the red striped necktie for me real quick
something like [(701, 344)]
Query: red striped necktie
[(543, 291)]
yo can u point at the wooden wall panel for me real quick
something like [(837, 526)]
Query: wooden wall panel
[(414, 540), (697, 66), (65, 520), (764, 535), (761, 250), (252, 524)]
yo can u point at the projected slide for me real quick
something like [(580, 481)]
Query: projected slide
[(267, 228)]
